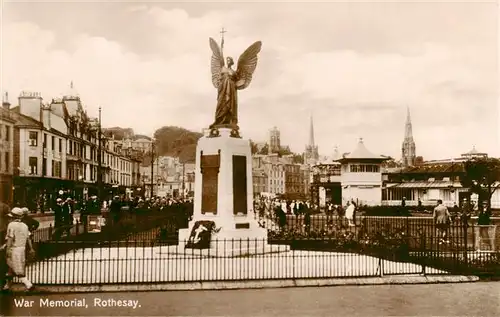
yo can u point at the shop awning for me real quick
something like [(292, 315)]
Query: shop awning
[(433, 184)]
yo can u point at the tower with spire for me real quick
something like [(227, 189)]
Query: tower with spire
[(311, 155), (408, 153)]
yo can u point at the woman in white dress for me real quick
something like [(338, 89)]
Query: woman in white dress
[(349, 213)]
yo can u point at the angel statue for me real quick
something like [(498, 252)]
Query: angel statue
[(228, 81)]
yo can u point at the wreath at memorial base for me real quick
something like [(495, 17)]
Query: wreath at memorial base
[(201, 234)]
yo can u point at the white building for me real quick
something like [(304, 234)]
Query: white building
[(361, 179)]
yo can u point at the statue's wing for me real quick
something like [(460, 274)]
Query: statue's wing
[(246, 65), (217, 62)]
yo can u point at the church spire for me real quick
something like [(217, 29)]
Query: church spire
[(311, 133), (408, 151), (311, 153), (408, 128)]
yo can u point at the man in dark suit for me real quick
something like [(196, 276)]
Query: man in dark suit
[(58, 218), (32, 223), (115, 209), (67, 215)]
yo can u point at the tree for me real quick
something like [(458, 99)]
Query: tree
[(298, 159), (176, 141), (391, 163), (254, 147), (482, 177), (264, 150), (283, 151)]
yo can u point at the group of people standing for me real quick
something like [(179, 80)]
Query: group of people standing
[(277, 210)]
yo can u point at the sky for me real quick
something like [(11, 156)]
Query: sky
[(354, 66)]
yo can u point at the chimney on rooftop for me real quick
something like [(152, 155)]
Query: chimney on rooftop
[(5, 101)]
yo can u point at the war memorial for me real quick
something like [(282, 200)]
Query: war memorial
[(224, 240)]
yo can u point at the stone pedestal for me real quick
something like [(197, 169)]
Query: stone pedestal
[(223, 194)]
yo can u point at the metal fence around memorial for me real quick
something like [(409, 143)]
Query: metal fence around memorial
[(144, 249)]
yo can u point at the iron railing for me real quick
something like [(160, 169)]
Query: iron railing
[(143, 248), (163, 261)]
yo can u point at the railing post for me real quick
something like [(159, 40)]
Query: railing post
[(381, 266), (465, 223), (51, 229), (423, 258)]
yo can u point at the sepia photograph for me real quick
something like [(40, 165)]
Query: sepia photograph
[(238, 158)]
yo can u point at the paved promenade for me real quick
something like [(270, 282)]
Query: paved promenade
[(466, 299)]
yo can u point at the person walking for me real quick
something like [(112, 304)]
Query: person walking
[(17, 243), (442, 219)]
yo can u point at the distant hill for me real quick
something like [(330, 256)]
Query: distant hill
[(170, 141), (118, 133), (177, 142)]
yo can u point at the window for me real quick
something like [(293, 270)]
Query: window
[(2, 164), (33, 163), (7, 161), (53, 143), (364, 168), (44, 141), (33, 138), (60, 145), (44, 167), (7, 133), (56, 169)]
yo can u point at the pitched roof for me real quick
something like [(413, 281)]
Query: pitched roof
[(435, 168), (6, 116), (139, 136), (428, 184), (23, 120), (362, 153)]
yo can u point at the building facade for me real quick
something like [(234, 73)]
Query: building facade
[(293, 182), (56, 147), (6, 152), (326, 184), (138, 142), (305, 179), (260, 181), (431, 181)]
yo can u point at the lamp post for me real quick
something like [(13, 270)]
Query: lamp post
[(183, 183), (152, 165), (99, 159), (44, 170)]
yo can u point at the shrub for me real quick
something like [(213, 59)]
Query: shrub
[(385, 211)]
